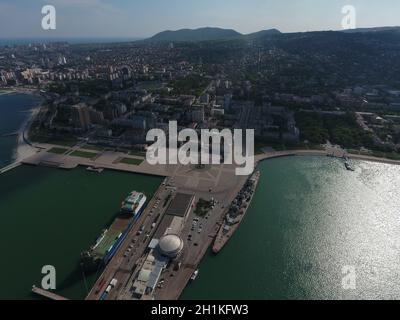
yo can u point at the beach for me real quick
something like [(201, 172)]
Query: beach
[(24, 148), (17, 112)]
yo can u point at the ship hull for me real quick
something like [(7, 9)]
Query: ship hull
[(110, 241), (224, 235), (121, 239)]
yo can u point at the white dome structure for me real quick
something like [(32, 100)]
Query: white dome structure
[(170, 245)]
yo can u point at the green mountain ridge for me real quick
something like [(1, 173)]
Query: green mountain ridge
[(206, 34), (212, 34)]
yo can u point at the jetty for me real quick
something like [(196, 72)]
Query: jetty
[(10, 167), (47, 294)]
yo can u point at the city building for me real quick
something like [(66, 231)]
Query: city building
[(81, 116)]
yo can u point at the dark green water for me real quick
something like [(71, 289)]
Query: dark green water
[(308, 220), (14, 111), (49, 216)]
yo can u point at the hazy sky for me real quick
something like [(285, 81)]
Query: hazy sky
[(142, 18)]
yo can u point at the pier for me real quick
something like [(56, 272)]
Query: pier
[(10, 167), (11, 134), (47, 294)]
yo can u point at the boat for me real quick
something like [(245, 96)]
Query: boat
[(194, 275), (236, 212), (133, 203), (111, 239), (93, 169)]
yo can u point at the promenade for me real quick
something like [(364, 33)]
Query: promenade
[(336, 153)]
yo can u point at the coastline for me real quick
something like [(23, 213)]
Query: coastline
[(24, 148), (273, 155), (4, 92), (19, 90)]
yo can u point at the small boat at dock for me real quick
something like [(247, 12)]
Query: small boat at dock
[(92, 169), (194, 275)]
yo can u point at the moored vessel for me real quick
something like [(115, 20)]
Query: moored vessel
[(236, 212), (194, 275), (133, 203), (110, 239)]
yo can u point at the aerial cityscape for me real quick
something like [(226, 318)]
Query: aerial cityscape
[(167, 159)]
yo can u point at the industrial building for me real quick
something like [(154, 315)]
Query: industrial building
[(176, 215)]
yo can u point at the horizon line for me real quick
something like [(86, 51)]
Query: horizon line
[(136, 38)]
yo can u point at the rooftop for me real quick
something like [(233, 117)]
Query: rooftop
[(180, 205), (170, 245)]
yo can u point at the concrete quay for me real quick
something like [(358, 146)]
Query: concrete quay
[(107, 160), (47, 294)]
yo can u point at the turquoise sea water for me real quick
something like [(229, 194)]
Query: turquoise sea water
[(49, 216), (309, 219)]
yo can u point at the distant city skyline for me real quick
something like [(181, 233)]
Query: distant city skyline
[(141, 19)]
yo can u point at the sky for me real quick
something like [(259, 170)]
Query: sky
[(144, 18)]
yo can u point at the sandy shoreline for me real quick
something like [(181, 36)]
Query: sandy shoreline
[(24, 149)]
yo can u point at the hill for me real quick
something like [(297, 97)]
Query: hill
[(262, 34), (190, 35), (367, 30)]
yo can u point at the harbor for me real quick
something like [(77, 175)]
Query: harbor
[(75, 206), (165, 235), (124, 248), (193, 232), (215, 184)]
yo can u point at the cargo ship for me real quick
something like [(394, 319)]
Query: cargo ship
[(236, 212), (110, 239)]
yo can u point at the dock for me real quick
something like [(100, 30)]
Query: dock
[(47, 294), (10, 167)]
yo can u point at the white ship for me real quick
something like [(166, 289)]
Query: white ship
[(194, 275), (133, 203)]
